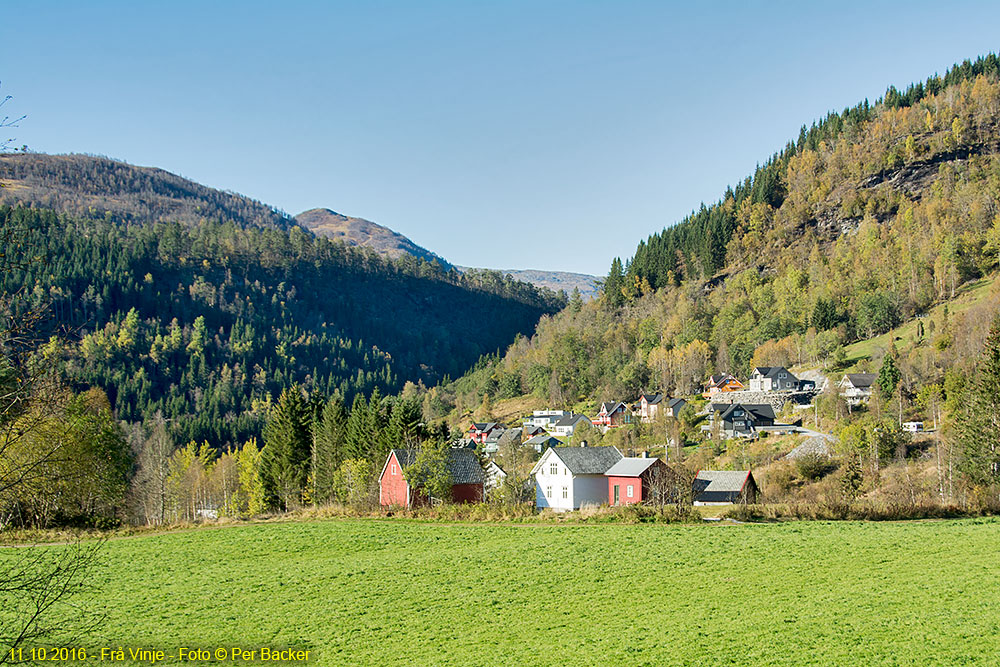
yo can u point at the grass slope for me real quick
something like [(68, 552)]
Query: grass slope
[(401, 592), (966, 297)]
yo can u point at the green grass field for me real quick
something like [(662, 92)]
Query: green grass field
[(379, 592)]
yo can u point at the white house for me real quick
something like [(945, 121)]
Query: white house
[(545, 418), (494, 477), (565, 427), (856, 388), (568, 477)]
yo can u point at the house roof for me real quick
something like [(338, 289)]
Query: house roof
[(608, 407), (772, 371), (535, 430), (719, 485), (484, 426), (673, 402), (543, 439), (861, 380), (631, 466), (466, 443), (463, 464), (496, 434), (570, 419), (716, 380), (652, 399), (588, 460), (756, 410)]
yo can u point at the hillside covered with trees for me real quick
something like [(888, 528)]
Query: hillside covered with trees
[(207, 322), (870, 218)]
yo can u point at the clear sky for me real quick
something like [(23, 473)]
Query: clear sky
[(535, 134)]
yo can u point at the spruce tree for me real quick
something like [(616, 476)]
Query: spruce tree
[(978, 422), (889, 375), (287, 449), (613, 296), (329, 441), (358, 432)]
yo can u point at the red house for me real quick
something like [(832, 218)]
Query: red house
[(479, 431), (634, 480), (612, 414), (466, 479)]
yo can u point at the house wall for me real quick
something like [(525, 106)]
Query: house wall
[(466, 493), (623, 484), (589, 489), (392, 486), (544, 478)]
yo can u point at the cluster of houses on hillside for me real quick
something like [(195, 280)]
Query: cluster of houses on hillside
[(568, 478)]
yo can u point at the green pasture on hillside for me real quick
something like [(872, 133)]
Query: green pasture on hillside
[(385, 592)]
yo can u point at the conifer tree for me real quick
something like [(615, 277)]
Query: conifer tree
[(978, 422), (287, 449), (613, 296), (889, 375), (359, 429), (329, 441)]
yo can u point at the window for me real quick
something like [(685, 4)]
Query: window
[(628, 490), (554, 469), (781, 376), (565, 492), (548, 491), (393, 472)]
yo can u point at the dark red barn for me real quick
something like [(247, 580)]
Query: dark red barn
[(466, 479), (631, 480)]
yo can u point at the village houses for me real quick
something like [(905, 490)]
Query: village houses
[(568, 477)]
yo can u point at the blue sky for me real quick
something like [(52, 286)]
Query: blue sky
[(536, 134)]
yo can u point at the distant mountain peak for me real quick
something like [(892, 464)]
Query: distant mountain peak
[(361, 232)]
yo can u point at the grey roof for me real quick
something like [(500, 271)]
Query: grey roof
[(610, 407), (486, 426), (496, 434), (720, 378), (543, 439), (463, 464), (861, 380), (714, 486), (674, 402), (465, 467), (652, 399), (631, 466), (756, 410), (772, 371), (588, 460), (406, 457), (571, 419)]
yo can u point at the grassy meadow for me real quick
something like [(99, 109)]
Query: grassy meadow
[(376, 592)]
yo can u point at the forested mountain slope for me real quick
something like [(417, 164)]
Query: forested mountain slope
[(870, 218), (208, 321), (87, 186)]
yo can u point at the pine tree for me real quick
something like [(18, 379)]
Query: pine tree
[(287, 449), (978, 423)]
